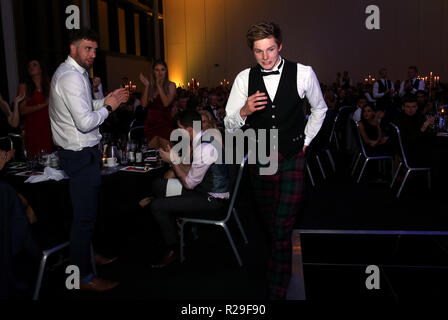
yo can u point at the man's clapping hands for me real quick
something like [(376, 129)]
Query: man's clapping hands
[(117, 97)]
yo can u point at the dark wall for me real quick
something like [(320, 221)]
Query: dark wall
[(3, 78), (41, 33)]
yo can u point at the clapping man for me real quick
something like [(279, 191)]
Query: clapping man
[(75, 120)]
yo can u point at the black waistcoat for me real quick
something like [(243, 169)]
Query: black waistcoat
[(285, 113), (382, 88), (414, 85), (216, 179)]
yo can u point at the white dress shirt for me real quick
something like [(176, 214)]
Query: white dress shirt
[(376, 87), (75, 118), (421, 86), (307, 85), (99, 94), (204, 155)]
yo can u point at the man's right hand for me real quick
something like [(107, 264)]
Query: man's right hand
[(114, 99), (255, 102)]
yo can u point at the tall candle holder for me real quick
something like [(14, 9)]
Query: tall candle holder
[(194, 84), (370, 79), (431, 82), (130, 86), (225, 84)]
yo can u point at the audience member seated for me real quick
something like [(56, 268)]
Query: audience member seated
[(412, 84), (203, 188), (19, 251), (346, 81), (416, 133), (209, 122), (423, 105), (97, 88), (361, 102), (371, 133), (34, 108), (343, 100), (212, 106), (157, 97), (183, 104), (367, 90)]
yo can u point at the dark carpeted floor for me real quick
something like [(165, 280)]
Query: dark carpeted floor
[(411, 266)]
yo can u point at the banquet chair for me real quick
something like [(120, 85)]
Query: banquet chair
[(45, 255), (339, 131), (332, 138), (404, 161), (6, 143), (136, 133), (19, 146), (231, 211), (363, 154)]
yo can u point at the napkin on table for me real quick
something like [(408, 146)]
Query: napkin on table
[(49, 174)]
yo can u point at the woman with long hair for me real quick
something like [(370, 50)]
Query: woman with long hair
[(34, 108), (371, 132), (158, 95)]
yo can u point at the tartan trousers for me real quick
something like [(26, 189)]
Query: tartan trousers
[(278, 197)]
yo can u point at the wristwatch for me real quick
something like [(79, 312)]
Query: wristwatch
[(108, 107)]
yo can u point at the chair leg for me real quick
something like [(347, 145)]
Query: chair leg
[(240, 226), (396, 174), (310, 174), (182, 257), (362, 170), (194, 230), (402, 184), (237, 255), (330, 158), (92, 259), (40, 276), (321, 168), (356, 164)]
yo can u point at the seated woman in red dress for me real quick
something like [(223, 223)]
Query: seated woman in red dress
[(158, 96), (34, 108)]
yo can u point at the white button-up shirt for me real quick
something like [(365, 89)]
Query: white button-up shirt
[(204, 155), (75, 118), (307, 85)]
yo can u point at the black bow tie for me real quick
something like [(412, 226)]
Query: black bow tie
[(269, 73), (272, 72)]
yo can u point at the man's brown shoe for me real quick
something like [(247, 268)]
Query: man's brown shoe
[(101, 260), (168, 258), (98, 284)]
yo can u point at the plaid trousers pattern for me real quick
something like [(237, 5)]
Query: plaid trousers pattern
[(278, 197)]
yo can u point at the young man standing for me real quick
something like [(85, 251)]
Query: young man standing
[(412, 84), (75, 119), (268, 96)]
